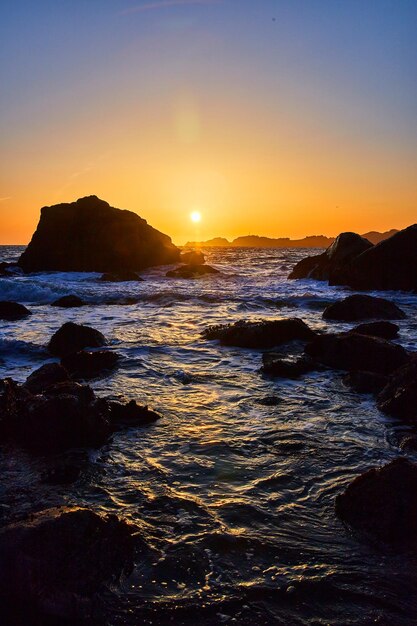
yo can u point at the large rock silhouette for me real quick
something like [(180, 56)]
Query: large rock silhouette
[(91, 236)]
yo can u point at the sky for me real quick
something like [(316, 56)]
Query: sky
[(270, 117)]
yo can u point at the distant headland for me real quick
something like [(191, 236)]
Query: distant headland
[(256, 241)]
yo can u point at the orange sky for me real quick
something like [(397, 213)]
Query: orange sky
[(263, 134)]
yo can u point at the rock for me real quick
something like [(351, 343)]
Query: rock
[(349, 351), (131, 413), (409, 443), (321, 267), (7, 269), (72, 338), (84, 393), (192, 257), (265, 334), (391, 264), (120, 277), (285, 368), (13, 401), (91, 236), (12, 311), (362, 307), (85, 364), (269, 401), (384, 330), (68, 302), (62, 474), (382, 502), (46, 376), (192, 271), (55, 561), (399, 396), (365, 382)]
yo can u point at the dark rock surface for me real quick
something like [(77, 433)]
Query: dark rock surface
[(68, 302), (399, 396), (72, 338), (91, 236), (382, 502), (55, 561), (265, 334), (192, 271), (279, 367), (46, 376), (350, 351), (362, 307), (131, 413), (192, 257), (87, 364), (120, 277), (12, 311), (384, 330), (365, 382)]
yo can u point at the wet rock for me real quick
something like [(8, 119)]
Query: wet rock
[(68, 302), (408, 443), (12, 311), (265, 334), (382, 502), (120, 277), (285, 368), (46, 376), (131, 413), (384, 330), (55, 561), (13, 401), (61, 475), (72, 338), (86, 364), (84, 393), (350, 351), (91, 236), (192, 271), (362, 307), (192, 257), (365, 382), (399, 396), (308, 266), (269, 401)]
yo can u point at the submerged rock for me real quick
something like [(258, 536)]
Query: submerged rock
[(382, 502), (86, 364), (265, 334), (285, 368), (131, 413), (120, 277), (91, 236), (362, 307), (68, 302), (46, 376), (192, 271), (350, 351), (192, 257), (384, 330), (72, 338), (12, 311), (399, 396), (55, 561), (365, 382)]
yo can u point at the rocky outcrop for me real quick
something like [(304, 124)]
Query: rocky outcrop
[(382, 503), (54, 562), (46, 376), (72, 338), (399, 396), (384, 330), (277, 367), (131, 413), (68, 302), (350, 351), (362, 307), (87, 364), (91, 236), (12, 311), (265, 334), (321, 267), (365, 382), (192, 257), (192, 271), (120, 277)]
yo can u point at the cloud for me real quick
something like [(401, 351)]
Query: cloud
[(164, 4)]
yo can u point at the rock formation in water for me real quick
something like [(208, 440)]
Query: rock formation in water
[(264, 334), (91, 236), (362, 307)]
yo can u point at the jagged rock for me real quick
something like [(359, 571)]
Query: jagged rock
[(91, 236), (350, 351), (46, 376), (307, 266), (382, 502), (68, 302), (86, 364), (365, 382), (72, 338), (384, 330), (276, 366), (265, 334), (131, 413), (192, 271), (399, 396), (192, 257), (362, 307), (55, 561), (84, 393), (120, 277), (12, 311)]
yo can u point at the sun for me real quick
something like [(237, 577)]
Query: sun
[(195, 217)]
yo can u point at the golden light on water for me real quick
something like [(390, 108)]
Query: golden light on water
[(195, 216)]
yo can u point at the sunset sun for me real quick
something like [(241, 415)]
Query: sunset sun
[(195, 217)]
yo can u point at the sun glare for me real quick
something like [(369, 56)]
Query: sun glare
[(195, 217)]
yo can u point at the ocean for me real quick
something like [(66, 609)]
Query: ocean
[(234, 496)]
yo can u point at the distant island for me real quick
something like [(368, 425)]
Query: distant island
[(256, 241)]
